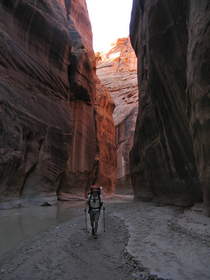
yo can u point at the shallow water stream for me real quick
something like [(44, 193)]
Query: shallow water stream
[(19, 224)]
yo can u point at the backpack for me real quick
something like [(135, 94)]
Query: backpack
[(95, 202)]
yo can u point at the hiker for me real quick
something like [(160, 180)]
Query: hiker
[(94, 202)]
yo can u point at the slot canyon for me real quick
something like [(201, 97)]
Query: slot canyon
[(134, 119)]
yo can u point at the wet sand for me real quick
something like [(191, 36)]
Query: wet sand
[(143, 241), (172, 242), (69, 252)]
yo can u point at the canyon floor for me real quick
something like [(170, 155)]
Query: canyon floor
[(143, 241)]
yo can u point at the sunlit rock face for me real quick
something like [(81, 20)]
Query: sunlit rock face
[(107, 156), (170, 160), (48, 135), (117, 70)]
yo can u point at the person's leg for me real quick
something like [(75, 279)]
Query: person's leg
[(92, 220), (97, 215)]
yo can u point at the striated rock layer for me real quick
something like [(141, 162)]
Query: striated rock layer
[(48, 139), (170, 159), (107, 155), (117, 70)]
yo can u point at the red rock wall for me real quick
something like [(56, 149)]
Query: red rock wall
[(117, 70), (107, 154), (170, 157), (47, 89)]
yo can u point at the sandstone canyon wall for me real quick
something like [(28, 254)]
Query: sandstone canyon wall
[(107, 153), (48, 139), (170, 160), (117, 70)]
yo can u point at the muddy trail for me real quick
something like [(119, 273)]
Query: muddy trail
[(69, 252), (142, 241)]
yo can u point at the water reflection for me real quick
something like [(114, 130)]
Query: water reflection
[(20, 224)]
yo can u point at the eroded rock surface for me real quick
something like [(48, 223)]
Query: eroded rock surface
[(47, 93), (198, 91), (117, 70), (107, 154), (170, 159)]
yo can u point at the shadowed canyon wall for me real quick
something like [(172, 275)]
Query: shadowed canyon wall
[(170, 160), (48, 139), (117, 70)]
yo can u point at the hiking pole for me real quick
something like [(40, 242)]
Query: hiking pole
[(86, 227), (104, 219)]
